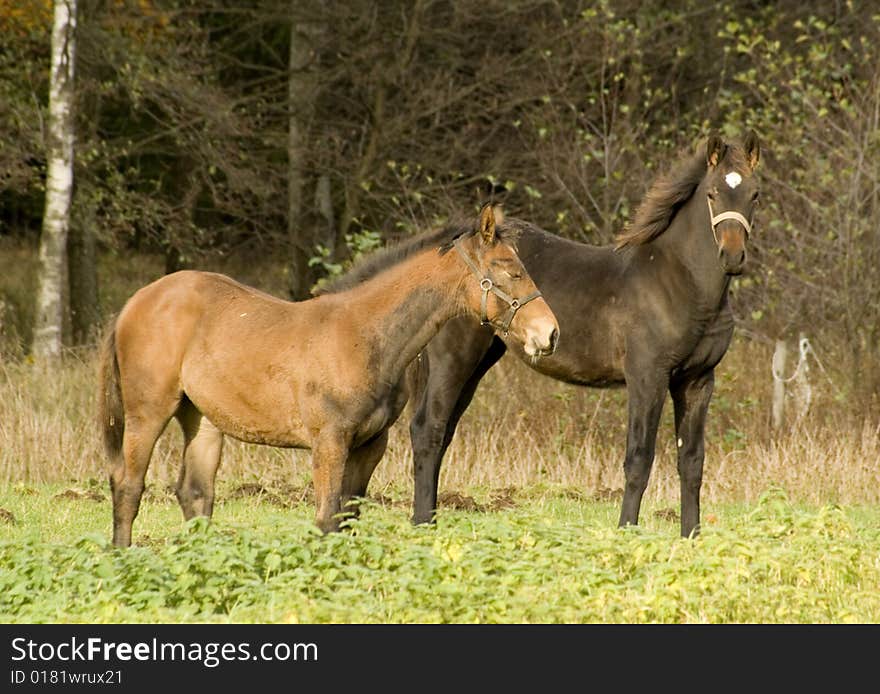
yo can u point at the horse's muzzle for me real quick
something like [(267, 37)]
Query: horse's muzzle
[(542, 346), (733, 262)]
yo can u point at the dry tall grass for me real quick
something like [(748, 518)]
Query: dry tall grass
[(522, 430)]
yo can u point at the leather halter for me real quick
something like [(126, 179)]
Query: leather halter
[(487, 285), (716, 219)]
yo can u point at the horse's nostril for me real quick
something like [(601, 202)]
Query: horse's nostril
[(732, 259), (554, 338)]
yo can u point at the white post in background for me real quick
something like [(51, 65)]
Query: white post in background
[(780, 355), (803, 390)]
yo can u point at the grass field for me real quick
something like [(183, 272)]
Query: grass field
[(530, 498), (540, 556)]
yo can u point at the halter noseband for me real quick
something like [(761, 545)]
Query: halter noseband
[(716, 219), (487, 285)]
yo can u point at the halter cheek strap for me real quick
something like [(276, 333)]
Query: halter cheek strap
[(487, 285)]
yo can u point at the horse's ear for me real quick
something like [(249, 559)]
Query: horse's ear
[(714, 149), (752, 147), (487, 223)]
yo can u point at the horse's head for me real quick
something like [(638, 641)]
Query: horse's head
[(503, 294), (732, 193)]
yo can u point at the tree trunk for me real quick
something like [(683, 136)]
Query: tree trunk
[(324, 205), (85, 317), (181, 241), (59, 187), (368, 158), (300, 94)]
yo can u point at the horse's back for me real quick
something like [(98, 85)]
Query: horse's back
[(163, 315), (610, 302), (189, 299), (183, 316)]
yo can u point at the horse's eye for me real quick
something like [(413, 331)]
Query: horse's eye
[(755, 197), (711, 194), (514, 275)]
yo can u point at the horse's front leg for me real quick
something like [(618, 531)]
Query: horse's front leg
[(646, 396), (450, 369), (329, 454), (359, 469), (691, 400)]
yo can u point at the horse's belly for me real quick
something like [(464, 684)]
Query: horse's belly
[(594, 370), (260, 432), (254, 414), (256, 427)]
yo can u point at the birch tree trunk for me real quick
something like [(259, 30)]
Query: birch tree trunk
[(59, 186)]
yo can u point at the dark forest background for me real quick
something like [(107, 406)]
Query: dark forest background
[(279, 140)]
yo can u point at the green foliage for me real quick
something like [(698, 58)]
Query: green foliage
[(540, 562), (184, 117), (361, 242), (323, 259), (358, 243), (807, 79), (24, 79)]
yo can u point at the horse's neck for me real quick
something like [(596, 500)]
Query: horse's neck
[(407, 304), (690, 242)]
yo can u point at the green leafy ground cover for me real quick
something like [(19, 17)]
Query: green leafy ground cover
[(546, 558)]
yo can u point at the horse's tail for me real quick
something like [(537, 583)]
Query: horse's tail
[(111, 413)]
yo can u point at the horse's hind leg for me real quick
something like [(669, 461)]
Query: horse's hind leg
[(359, 469), (691, 400), (202, 446), (127, 475)]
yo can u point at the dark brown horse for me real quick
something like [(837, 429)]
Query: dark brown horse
[(324, 374), (650, 313)]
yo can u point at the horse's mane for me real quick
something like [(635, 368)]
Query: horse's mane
[(668, 193), (664, 198), (441, 238)]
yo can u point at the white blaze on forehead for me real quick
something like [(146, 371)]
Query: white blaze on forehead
[(733, 179)]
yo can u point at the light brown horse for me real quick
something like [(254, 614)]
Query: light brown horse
[(324, 374)]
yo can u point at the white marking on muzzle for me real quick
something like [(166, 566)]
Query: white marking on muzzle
[(538, 337)]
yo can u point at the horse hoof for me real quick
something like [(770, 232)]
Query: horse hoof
[(430, 521), (328, 526)]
